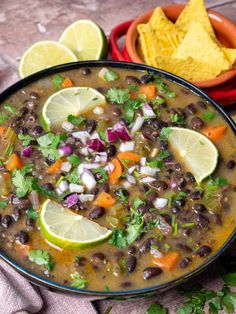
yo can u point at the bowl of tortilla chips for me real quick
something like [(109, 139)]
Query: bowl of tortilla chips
[(189, 41)]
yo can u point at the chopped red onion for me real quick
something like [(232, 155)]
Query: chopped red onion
[(109, 167), (131, 179), (143, 161), (67, 126), (76, 188), (147, 111), (127, 146), (160, 202), (156, 253), (148, 171), (26, 152), (65, 150), (66, 166), (35, 200), (173, 184), (71, 200), (126, 185), (84, 151), (96, 145), (137, 124), (131, 169), (147, 180), (88, 180), (83, 136), (122, 132), (94, 135), (111, 135), (86, 197), (100, 157), (62, 187), (84, 166)]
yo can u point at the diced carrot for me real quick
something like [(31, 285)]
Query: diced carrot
[(168, 261), (148, 90), (116, 173), (128, 157), (215, 133), (56, 166), (105, 200), (14, 162), (67, 83), (2, 130)]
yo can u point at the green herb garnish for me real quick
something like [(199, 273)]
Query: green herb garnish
[(57, 81), (118, 95), (129, 109), (110, 76), (22, 183), (74, 160), (103, 173), (78, 281), (76, 120), (216, 183), (49, 144), (3, 204), (31, 213), (41, 257), (118, 238), (137, 202), (156, 308), (4, 119), (133, 87), (165, 132), (25, 139), (208, 116), (177, 118), (121, 196), (10, 108)]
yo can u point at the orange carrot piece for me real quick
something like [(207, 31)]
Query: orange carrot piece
[(104, 200), (2, 130), (148, 90), (14, 162), (168, 261), (128, 157), (56, 166), (67, 83), (215, 133), (116, 173)]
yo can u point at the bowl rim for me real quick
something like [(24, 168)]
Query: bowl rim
[(36, 279), (132, 51)]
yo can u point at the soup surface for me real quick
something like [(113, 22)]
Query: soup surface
[(164, 223)]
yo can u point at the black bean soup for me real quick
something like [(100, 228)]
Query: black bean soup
[(164, 223)]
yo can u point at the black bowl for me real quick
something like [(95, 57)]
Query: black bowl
[(134, 66)]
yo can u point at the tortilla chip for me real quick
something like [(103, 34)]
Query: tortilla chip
[(230, 54), (147, 41), (195, 11), (189, 69), (199, 45)]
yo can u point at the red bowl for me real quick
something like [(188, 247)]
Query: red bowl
[(224, 29)]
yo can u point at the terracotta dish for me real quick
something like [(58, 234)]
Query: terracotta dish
[(225, 31)]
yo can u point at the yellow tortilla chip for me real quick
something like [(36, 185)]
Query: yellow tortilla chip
[(189, 69), (199, 45), (230, 54), (195, 11), (146, 42)]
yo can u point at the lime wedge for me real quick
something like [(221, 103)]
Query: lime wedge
[(73, 100), (86, 39), (198, 154), (42, 55), (67, 230)]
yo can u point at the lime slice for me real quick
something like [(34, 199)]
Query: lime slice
[(42, 55), (67, 230), (198, 154), (86, 39), (73, 100)]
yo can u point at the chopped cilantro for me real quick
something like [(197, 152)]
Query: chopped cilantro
[(74, 160), (118, 238), (137, 202), (163, 87), (57, 81), (177, 118), (121, 196), (155, 163), (103, 135), (129, 109), (31, 213), (135, 228), (22, 184), (158, 101), (106, 289), (73, 177), (164, 154), (181, 195), (118, 95), (3, 204), (133, 87), (42, 190), (25, 139), (230, 279), (9, 150), (188, 225), (165, 132), (78, 281), (174, 225), (208, 116), (142, 97), (28, 168), (49, 144), (216, 183), (4, 119), (110, 76), (103, 173), (41, 257), (156, 308), (10, 108), (76, 120)]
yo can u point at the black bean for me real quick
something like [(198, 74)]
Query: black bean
[(21, 130), (179, 203), (190, 109), (31, 104), (131, 249), (159, 185), (187, 232), (163, 145), (16, 213), (104, 187), (23, 111), (29, 222), (178, 167), (98, 176), (217, 219), (82, 206), (202, 221), (98, 257), (146, 245), (199, 208), (14, 122), (118, 255), (14, 200), (146, 78), (231, 164), (90, 126), (196, 195), (142, 209), (203, 251), (37, 130), (111, 150), (190, 177), (147, 131), (22, 237), (31, 117), (24, 204), (117, 112), (6, 221), (48, 186), (184, 247), (95, 191), (125, 284), (151, 197), (158, 124), (132, 79), (175, 210), (80, 261), (34, 95), (131, 263), (121, 191), (85, 71), (97, 212), (201, 104), (151, 272), (49, 161), (185, 262), (197, 123)]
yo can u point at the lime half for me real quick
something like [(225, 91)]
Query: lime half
[(86, 39), (43, 55), (73, 100), (198, 154), (67, 230)]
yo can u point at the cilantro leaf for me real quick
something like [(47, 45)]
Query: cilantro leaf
[(118, 238), (74, 160), (135, 228), (76, 120), (163, 87), (4, 119), (214, 184), (165, 132), (41, 258), (103, 174), (25, 139), (110, 76), (42, 190), (164, 154), (31, 213), (133, 87), (57, 81), (78, 281), (73, 177), (129, 109), (3, 204), (10, 108), (28, 168), (118, 95), (177, 118), (156, 308), (230, 279), (155, 163), (49, 144), (121, 196), (208, 116), (22, 184), (137, 202)]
